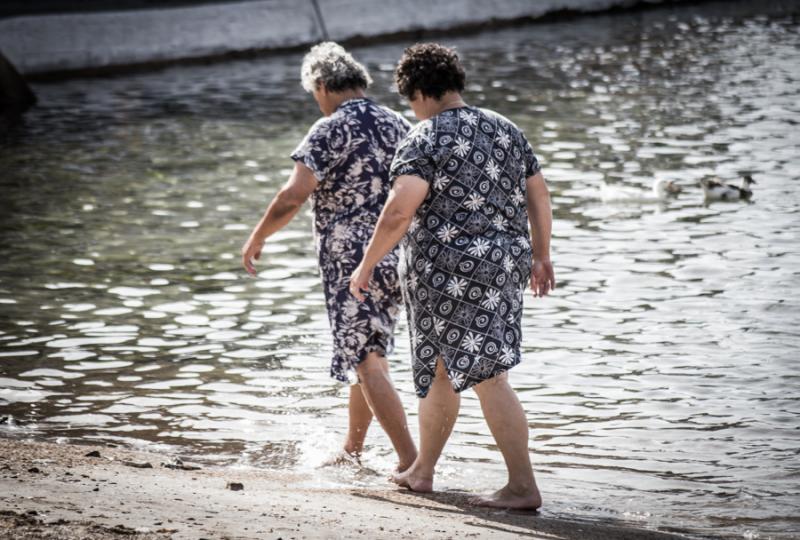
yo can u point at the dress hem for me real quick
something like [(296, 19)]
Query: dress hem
[(500, 368), (373, 345)]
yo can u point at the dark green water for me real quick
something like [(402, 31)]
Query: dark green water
[(660, 379)]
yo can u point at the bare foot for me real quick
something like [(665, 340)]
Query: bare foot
[(414, 481), (343, 459), (506, 498)]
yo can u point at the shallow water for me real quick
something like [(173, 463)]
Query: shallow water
[(660, 379)]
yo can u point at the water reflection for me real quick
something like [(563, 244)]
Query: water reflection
[(659, 380)]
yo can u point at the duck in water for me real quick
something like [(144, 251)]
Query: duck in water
[(717, 191)]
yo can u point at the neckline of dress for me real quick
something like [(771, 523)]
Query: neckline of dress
[(465, 106), (351, 100)]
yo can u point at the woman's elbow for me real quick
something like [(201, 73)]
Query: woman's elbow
[(396, 217), (289, 199)]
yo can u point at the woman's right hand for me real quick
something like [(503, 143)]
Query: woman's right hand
[(251, 252), (543, 279), (359, 281)]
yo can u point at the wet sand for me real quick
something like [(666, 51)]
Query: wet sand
[(54, 491)]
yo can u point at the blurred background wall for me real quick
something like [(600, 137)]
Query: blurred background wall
[(47, 36)]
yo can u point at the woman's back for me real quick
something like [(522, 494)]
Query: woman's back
[(468, 253), (350, 153), (477, 163)]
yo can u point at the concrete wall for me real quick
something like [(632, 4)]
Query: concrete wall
[(63, 42), (45, 43), (346, 19)]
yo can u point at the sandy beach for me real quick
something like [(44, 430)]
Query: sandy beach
[(53, 491)]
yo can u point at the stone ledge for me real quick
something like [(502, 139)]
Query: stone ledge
[(42, 44)]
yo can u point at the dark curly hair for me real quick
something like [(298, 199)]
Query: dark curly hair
[(431, 68)]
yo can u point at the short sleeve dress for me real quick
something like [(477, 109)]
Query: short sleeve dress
[(350, 153), (467, 256)]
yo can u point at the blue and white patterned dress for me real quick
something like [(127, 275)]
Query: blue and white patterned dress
[(350, 153), (467, 255)]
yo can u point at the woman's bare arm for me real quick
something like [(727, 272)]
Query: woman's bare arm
[(401, 205), (540, 216), (281, 210)]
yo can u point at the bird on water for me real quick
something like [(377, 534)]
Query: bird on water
[(715, 190)]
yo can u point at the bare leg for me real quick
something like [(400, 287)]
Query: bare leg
[(437, 415), (507, 422), (360, 418), (380, 393)]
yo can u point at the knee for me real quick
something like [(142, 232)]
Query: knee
[(499, 382), (372, 367)]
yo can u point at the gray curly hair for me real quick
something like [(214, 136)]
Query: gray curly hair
[(329, 65)]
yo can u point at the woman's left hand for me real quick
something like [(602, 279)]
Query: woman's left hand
[(359, 281)]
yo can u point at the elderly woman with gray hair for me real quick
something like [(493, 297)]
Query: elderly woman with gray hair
[(343, 164)]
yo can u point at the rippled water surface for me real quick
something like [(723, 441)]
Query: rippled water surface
[(660, 380)]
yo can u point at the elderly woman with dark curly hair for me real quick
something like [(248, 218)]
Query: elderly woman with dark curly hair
[(466, 188), (343, 164)]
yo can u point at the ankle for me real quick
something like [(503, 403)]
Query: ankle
[(404, 465), (422, 471), (522, 489), (353, 449)]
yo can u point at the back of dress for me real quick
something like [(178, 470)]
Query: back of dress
[(467, 256), (350, 153)]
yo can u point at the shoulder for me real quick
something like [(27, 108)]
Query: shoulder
[(421, 133), (323, 125), (506, 128), (335, 129), (501, 121), (424, 127), (390, 115)]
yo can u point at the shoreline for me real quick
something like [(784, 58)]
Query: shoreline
[(50, 490)]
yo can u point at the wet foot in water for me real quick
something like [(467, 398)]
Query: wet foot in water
[(506, 498), (413, 480), (343, 458)]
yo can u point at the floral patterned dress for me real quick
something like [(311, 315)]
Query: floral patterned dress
[(467, 255), (350, 153)]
